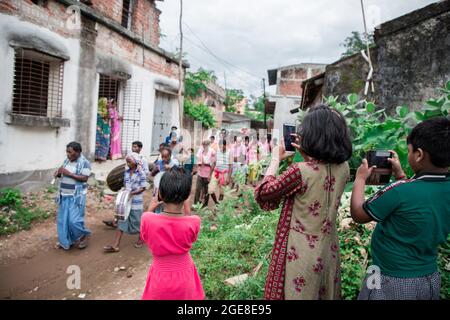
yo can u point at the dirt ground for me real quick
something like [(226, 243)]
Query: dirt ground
[(30, 267)]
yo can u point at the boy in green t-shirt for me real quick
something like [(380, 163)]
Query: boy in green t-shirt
[(413, 218)]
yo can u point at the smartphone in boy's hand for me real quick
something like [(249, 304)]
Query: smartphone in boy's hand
[(383, 168)]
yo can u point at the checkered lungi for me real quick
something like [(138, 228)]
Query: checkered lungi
[(423, 288)]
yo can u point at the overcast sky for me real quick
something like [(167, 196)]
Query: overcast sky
[(245, 38)]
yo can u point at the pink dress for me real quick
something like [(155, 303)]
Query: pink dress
[(172, 274), (115, 150)]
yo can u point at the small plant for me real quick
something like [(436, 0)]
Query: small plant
[(15, 214)]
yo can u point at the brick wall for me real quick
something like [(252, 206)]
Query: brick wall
[(53, 16), (290, 81), (109, 8)]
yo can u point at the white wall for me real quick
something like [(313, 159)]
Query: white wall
[(282, 113), (29, 148)]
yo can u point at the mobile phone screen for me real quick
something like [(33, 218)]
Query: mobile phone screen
[(287, 131)]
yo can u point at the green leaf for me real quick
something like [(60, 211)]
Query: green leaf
[(370, 106), (437, 104), (402, 111), (447, 85), (419, 115), (352, 98)]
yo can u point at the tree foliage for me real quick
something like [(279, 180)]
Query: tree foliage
[(194, 85), (355, 43), (232, 98)]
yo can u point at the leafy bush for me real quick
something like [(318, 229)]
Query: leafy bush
[(233, 241), (199, 112), (14, 214), (375, 129)]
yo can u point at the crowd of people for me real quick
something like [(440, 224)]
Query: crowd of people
[(412, 214), (108, 131)]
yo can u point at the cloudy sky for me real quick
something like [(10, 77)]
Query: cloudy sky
[(241, 39)]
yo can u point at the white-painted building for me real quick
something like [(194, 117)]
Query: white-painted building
[(53, 75)]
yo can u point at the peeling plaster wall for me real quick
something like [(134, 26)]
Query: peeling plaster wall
[(29, 148)]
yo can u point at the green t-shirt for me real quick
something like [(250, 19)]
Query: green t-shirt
[(413, 219)]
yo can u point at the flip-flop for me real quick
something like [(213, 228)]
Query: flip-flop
[(138, 245), (83, 243), (110, 249), (109, 223)]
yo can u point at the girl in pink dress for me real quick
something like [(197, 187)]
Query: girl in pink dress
[(115, 148), (169, 236)]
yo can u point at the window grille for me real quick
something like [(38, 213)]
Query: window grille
[(38, 80), (126, 14), (108, 88), (132, 96)]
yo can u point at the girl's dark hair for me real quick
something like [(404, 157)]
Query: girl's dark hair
[(325, 135), (75, 146), (175, 185), (433, 136)]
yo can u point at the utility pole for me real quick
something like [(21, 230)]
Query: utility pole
[(264, 100), (180, 69), (225, 80)]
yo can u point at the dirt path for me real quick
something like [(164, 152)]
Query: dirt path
[(30, 267)]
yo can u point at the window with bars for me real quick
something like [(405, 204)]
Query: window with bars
[(38, 80), (108, 88), (126, 13)]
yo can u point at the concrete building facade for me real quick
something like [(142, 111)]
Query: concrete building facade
[(58, 58)]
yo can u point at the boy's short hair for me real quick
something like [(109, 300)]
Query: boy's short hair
[(174, 127), (175, 185), (137, 143), (168, 150), (433, 136)]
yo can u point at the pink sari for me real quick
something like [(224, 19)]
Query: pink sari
[(115, 150)]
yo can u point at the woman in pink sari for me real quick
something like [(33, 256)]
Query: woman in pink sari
[(115, 148)]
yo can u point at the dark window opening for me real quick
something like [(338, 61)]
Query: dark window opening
[(126, 14), (38, 81)]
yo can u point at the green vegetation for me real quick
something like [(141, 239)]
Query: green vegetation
[(238, 235), (355, 43), (18, 214), (194, 86), (232, 98)]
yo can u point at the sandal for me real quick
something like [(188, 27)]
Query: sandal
[(138, 244), (83, 242), (110, 223), (110, 249)]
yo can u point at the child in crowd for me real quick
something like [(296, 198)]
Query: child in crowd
[(170, 236), (205, 168), (413, 217), (161, 166), (136, 147)]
